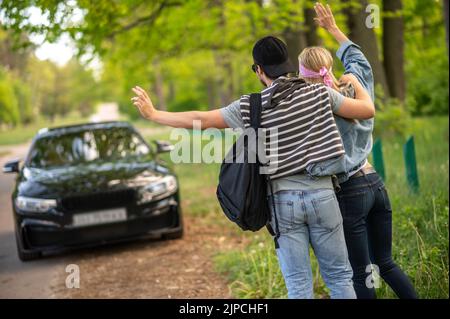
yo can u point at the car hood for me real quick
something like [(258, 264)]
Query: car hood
[(79, 179)]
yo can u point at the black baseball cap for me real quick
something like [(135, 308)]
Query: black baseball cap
[(271, 54)]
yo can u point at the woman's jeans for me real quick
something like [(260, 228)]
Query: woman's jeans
[(367, 216), (312, 217)]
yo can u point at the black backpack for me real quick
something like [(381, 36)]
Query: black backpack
[(242, 190)]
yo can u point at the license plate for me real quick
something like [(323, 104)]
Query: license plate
[(100, 217)]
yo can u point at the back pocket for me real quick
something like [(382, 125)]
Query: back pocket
[(285, 215), (327, 211), (385, 196)]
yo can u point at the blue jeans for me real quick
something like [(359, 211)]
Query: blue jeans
[(312, 217)]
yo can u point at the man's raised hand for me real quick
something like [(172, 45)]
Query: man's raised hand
[(143, 103)]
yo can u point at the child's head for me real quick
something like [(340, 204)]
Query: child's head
[(316, 65)]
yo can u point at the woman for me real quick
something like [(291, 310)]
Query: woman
[(363, 199)]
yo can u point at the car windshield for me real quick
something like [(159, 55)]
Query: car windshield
[(83, 147)]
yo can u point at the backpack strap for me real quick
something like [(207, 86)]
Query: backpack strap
[(255, 123), (255, 110), (277, 229)]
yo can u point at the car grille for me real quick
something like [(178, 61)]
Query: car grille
[(98, 200)]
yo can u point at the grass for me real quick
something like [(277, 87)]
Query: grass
[(420, 221)]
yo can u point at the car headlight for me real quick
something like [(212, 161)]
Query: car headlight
[(166, 185), (35, 205)]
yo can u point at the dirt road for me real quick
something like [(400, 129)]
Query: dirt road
[(17, 279), (147, 269)]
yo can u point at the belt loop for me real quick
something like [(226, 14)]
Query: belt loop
[(336, 186), (365, 176)]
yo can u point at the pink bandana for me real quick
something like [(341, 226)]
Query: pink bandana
[(323, 73)]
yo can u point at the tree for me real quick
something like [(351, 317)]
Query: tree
[(41, 79), (203, 48), (82, 89), (446, 8), (296, 41), (9, 110), (366, 38), (393, 47), (159, 86), (23, 95), (13, 55), (294, 31), (312, 37)]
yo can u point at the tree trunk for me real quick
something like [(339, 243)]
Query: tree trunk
[(366, 38), (446, 8), (296, 42), (226, 93), (172, 92), (312, 39), (211, 92), (393, 48), (159, 88)]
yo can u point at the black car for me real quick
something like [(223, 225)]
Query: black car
[(92, 184)]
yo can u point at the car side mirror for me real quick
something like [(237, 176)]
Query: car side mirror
[(164, 147), (11, 166)]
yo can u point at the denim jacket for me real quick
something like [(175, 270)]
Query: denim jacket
[(356, 135)]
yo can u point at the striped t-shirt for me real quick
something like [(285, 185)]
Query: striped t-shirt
[(299, 125)]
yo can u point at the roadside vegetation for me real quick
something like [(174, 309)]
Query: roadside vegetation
[(204, 63), (23, 133), (420, 221)]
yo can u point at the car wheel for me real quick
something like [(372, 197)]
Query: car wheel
[(175, 235), (25, 255)]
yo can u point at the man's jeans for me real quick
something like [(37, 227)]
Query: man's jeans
[(306, 217)]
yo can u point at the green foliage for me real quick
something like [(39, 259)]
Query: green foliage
[(255, 272), (22, 92), (198, 54), (31, 87), (426, 58), (391, 118), (24, 133), (203, 48), (83, 91), (420, 221), (9, 109), (428, 82), (125, 107), (182, 105), (420, 225)]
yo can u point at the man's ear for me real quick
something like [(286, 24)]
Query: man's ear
[(260, 71)]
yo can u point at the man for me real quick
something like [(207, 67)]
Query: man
[(307, 209)]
